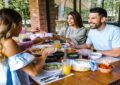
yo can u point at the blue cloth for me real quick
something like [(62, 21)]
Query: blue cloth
[(8, 68), (106, 39), (9, 78), (93, 65)]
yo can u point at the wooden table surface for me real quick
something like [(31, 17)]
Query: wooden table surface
[(92, 78)]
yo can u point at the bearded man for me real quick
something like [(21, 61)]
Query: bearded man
[(104, 38)]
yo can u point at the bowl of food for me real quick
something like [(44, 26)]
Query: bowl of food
[(36, 51), (26, 39), (70, 50), (51, 58), (105, 68), (73, 55), (81, 65), (52, 66), (58, 54), (95, 55)]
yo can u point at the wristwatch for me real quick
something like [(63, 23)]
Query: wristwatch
[(94, 50)]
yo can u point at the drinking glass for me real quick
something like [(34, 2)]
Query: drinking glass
[(66, 66), (85, 53), (57, 44)]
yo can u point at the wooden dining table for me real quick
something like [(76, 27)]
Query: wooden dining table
[(93, 77)]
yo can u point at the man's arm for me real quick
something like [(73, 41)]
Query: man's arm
[(83, 46), (115, 52)]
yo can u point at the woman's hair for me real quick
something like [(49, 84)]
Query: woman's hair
[(77, 18), (9, 19)]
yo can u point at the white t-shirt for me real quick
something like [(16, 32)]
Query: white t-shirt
[(106, 39)]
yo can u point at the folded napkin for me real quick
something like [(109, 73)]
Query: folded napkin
[(93, 65), (33, 36)]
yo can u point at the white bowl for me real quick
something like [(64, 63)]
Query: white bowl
[(105, 70), (81, 65), (95, 55)]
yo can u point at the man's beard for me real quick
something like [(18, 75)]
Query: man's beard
[(96, 26)]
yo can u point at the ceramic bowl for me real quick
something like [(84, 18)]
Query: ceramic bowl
[(81, 65), (73, 55), (104, 68), (95, 55), (58, 54)]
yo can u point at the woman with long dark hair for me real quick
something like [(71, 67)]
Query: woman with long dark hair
[(74, 31)]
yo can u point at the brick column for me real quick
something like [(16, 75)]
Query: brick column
[(53, 14), (38, 14)]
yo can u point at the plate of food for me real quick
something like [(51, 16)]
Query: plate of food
[(36, 51), (52, 67), (41, 46), (73, 55)]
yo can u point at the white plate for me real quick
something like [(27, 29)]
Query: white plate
[(41, 46)]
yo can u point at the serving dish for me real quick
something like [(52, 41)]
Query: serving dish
[(81, 65), (70, 50), (52, 66), (105, 68), (95, 55), (51, 58), (73, 55), (58, 54), (41, 46), (36, 51)]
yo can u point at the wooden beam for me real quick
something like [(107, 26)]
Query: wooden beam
[(74, 5), (48, 15), (80, 6)]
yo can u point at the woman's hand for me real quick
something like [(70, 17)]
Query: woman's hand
[(56, 37), (38, 40), (68, 40), (70, 43)]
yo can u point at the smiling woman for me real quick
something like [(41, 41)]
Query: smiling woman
[(74, 31)]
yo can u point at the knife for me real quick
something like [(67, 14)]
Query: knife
[(43, 79)]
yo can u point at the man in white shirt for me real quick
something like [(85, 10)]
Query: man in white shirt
[(102, 37)]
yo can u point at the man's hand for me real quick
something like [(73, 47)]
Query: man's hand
[(48, 51)]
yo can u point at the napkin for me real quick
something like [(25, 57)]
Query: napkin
[(93, 65)]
